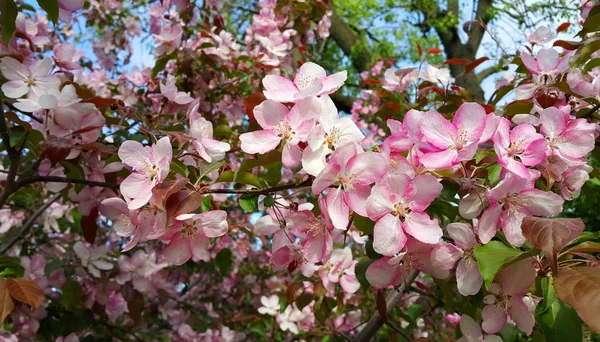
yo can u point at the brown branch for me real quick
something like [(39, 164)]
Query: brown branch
[(13, 156), (266, 191), (347, 39), (591, 111), (392, 300), (28, 224), (54, 179)]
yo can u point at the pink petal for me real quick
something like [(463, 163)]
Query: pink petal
[(494, 319), (468, 278), (521, 315), (213, 223), (426, 189), (362, 164), (279, 88), (178, 251), (488, 225), (325, 178), (439, 160), (260, 141), (437, 130), (381, 274), (422, 227), (134, 154), (388, 236), (462, 234), (470, 118), (349, 283), (199, 248), (337, 209), (356, 198), (291, 155), (269, 113), (333, 82), (445, 255)]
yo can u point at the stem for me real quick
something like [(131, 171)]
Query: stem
[(27, 226), (392, 299), (53, 179), (267, 191)]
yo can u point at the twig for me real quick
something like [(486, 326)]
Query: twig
[(392, 300), (28, 224), (54, 179), (398, 330), (267, 191), (591, 111)]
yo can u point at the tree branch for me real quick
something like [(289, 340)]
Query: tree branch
[(267, 191), (54, 179), (346, 39), (28, 224), (477, 32), (392, 300)]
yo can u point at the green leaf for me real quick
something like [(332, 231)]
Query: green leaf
[(360, 270), (371, 252), (8, 17), (449, 191), (179, 167), (205, 206), (53, 265), (10, 267), (304, 300), (249, 202), (72, 295), (414, 311), (51, 8), (161, 63), (224, 261), (364, 224), (264, 160), (557, 320), (492, 257), (482, 154), (269, 201), (494, 174)]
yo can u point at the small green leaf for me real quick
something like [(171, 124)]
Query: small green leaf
[(304, 300), (449, 191), (52, 265), (179, 167), (224, 261), (72, 295), (494, 174), (482, 154), (492, 257), (51, 8), (269, 201), (205, 206), (161, 63), (10, 267), (249, 202), (364, 224), (371, 252), (8, 16), (557, 320)]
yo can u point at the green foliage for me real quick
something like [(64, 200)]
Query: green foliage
[(558, 321), (10, 267), (51, 8), (224, 261), (8, 16), (492, 257)]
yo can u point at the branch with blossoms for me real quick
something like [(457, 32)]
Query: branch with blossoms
[(406, 212)]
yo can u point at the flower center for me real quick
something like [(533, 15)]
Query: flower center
[(401, 209), (346, 180), (332, 137), (189, 231), (284, 130)]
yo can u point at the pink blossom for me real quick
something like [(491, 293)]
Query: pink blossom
[(190, 236), (270, 305), (513, 199), (468, 278), (202, 131), (541, 35), (435, 75), (340, 269), (66, 56), (397, 204), (151, 166), (472, 332), (169, 91), (332, 132), (350, 168), (279, 124), (34, 33), (453, 318), (456, 141), (548, 63), (115, 306), (324, 25), (311, 80), (399, 80), (168, 40), (573, 179), (92, 258), (518, 148), (570, 140), (27, 79), (507, 299)]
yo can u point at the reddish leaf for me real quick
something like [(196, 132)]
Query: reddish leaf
[(56, 149), (100, 102), (471, 66), (252, 101), (434, 51), (86, 129), (25, 291), (14, 118), (551, 235), (6, 302), (468, 25), (420, 49), (381, 306), (587, 247), (164, 190), (567, 45), (99, 147), (89, 226), (455, 61), (580, 288), (562, 27), (182, 202), (135, 306), (372, 82), (489, 109)]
